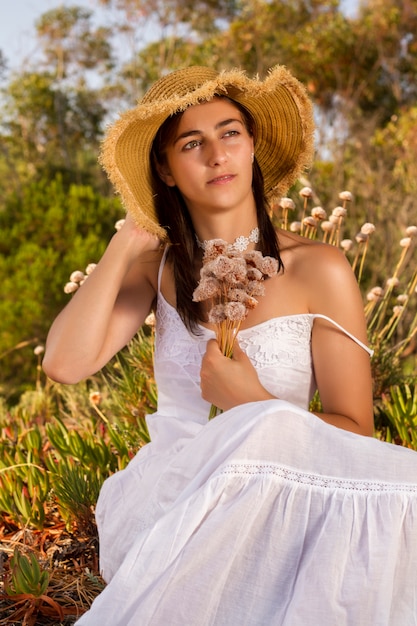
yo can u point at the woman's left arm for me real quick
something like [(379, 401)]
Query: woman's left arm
[(341, 366)]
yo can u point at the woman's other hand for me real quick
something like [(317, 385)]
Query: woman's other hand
[(228, 382)]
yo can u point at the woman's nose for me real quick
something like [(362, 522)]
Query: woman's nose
[(217, 154)]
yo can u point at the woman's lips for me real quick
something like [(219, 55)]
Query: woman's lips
[(225, 178)]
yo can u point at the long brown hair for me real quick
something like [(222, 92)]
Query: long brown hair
[(173, 215)]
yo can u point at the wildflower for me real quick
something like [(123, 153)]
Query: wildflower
[(254, 273), (119, 224), (39, 350), (256, 288), (95, 397), (70, 287), (254, 258), (367, 228), (150, 320), (231, 281), (346, 196), (306, 192), (217, 314), (402, 298), (237, 295), (310, 224), (346, 245), (295, 227), (327, 226), (371, 296), (310, 221), (77, 276), (397, 310), (90, 268), (318, 213), (207, 288), (220, 266), (339, 211), (235, 311), (411, 231), (393, 282), (287, 204), (250, 302), (377, 291), (214, 247), (269, 266), (361, 237), (405, 242)]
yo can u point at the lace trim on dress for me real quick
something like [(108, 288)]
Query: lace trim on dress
[(273, 470)]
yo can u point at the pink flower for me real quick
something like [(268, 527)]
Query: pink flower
[(214, 247), (405, 242), (231, 280), (77, 276), (306, 192), (256, 288), (368, 228), (346, 196), (207, 288), (217, 314), (287, 204), (269, 266), (318, 213), (253, 258), (339, 211), (346, 244), (70, 287), (235, 311)]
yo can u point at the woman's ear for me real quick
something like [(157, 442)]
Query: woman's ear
[(165, 175)]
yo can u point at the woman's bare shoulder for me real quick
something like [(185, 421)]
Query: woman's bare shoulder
[(302, 254), (321, 270)]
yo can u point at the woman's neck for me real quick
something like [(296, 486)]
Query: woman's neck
[(227, 229), (241, 243)]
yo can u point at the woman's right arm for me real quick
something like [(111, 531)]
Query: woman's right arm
[(107, 310)]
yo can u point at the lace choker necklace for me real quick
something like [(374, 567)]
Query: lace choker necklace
[(240, 243)]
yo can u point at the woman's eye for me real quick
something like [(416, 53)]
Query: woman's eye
[(191, 144)]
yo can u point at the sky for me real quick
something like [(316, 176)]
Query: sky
[(17, 19), (17, 24)]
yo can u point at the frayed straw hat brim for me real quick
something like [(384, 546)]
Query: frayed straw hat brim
[(279, 105)]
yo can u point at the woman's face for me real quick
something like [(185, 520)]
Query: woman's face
[(210, 158)]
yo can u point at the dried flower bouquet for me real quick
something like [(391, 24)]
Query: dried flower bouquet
[(232, 281)]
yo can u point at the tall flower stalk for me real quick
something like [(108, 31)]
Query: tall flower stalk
[(231, 281)]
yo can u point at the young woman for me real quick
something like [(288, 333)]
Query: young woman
[(267, 514)]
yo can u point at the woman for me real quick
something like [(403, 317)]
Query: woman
[(267, 514)]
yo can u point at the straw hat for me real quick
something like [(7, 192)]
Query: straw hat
[(283, 132)]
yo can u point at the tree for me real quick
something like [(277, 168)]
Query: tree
[(48, 232), (71, 46), (45, 129)]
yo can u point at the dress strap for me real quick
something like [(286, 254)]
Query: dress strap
[(161, 267), (355, 339)]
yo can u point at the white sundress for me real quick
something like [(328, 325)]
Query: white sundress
[(263, 516)]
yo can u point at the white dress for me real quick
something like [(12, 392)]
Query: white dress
[(264, 516)]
